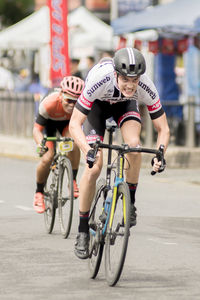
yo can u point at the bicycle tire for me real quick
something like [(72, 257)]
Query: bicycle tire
[(96, 246), (50, 195), (65, 196), (117, 235)]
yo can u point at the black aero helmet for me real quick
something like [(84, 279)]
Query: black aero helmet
[(129, 62)]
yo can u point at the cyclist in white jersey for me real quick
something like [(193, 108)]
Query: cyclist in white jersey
[(113, 88)]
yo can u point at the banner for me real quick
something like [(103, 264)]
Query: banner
[(138, 44), (121, 43), (168, 47), (182, 46), (153, 47), (58, 40)]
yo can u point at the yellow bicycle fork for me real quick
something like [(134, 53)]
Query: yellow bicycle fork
[(114, 198)]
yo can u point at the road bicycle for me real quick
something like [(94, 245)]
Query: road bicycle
[(109, 219), (59, 191)]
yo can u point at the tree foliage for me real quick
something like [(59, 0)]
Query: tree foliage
[(12, 11)]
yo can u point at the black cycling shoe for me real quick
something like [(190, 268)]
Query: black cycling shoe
[(133, 217), (82, 245)]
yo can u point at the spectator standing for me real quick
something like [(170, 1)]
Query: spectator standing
[(74, 67), (6, 79), (22, 81), (38, 91), (90, 61)]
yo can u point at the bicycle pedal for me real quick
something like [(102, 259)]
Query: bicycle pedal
[(93, 226), (112, 239), (103, 217)]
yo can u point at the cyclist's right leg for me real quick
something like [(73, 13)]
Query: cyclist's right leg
[(94, 127), (87, 191), (43, 167), (131, 132), (42, 173)]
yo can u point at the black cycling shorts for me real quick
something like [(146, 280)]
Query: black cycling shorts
[(95, 124), (52, 127)]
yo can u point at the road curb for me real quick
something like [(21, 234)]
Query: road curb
[(24, 148)]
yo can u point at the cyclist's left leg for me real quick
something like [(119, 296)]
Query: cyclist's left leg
[(130, 128), (131, 132)]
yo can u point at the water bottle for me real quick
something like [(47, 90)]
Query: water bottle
[(108, 201), (104, 214)]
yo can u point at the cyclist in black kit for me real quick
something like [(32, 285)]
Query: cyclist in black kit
[(113, 88)]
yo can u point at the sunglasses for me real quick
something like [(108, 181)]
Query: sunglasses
[(67, 99)]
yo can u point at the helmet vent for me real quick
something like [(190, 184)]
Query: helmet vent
[(132, 68), (124, 67)]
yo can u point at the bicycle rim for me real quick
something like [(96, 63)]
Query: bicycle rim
[(50, 207), (96, 245), (116, 241), (65, 197)]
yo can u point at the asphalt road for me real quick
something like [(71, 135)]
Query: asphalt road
[(163, 255)]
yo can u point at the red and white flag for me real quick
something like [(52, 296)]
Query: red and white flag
[(58, 40)]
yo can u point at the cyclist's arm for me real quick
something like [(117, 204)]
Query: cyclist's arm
[(38, 133), (162, 128), (75, 128)]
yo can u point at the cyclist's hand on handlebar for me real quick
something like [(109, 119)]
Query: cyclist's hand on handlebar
[(158, 162), (157, 165), (41, 150), (92, 154), (91, 157)]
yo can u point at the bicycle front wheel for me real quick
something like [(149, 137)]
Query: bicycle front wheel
[(117, 235), (65, 196), (96, 244), (50, 195)]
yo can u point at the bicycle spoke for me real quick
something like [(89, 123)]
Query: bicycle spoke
[(65, 197), (117, 236), (96, 245), (49, 199)]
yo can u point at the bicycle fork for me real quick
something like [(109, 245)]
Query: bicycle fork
[(119, 178)]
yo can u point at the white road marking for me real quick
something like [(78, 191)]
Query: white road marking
[(160, 242), (170, 243), (24, 207)]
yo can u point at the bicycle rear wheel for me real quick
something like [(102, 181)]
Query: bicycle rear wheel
[(50, 195), (65, 196), (96, 245), (117, 236)]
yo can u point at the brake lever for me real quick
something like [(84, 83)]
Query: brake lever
[(160, 157), (91, 155)]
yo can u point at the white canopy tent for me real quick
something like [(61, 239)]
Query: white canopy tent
[(86, 30), (31, 33), (86, 34)]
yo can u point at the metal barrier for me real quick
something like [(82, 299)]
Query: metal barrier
[(17, 114), (189, 123)]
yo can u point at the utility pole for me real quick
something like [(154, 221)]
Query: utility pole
[(113, 10)]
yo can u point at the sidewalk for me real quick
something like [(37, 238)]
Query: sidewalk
[(24, 148)]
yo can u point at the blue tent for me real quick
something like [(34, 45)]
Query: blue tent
[(178, 16)]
